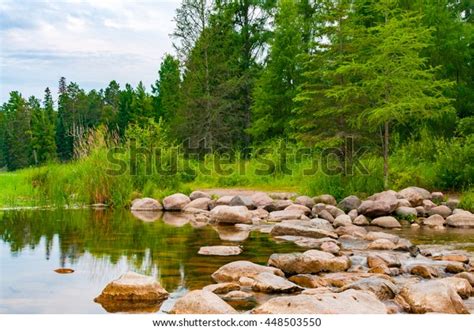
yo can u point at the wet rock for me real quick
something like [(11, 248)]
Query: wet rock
[(199, 194), (406, 212), (403, 245), (382, 288), (423, 270), (462, 258), (309, 262), (325, 199), (278, 216), (381, 244), (242, 201), (375, 235), (224, 214), (379, 204), (455, 267), (435, 220), (302, 228), (199, 203), (347, 302), (386, 222), (222, 288), (146, 204), (342, 220), (352, 230), (233, 271), (220, 250), (361, 220), (201, 302), (64, 271), (147, 216), (349, 203), (132, 287), (261, 199), (431, 297), (305, 200), (442, 210), (232, 233), (299, 208), (271, 283), (324, 214), (463, 219)]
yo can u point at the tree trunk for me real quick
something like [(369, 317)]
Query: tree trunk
[(385, 155)]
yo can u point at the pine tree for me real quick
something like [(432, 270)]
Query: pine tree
[(276, 87)]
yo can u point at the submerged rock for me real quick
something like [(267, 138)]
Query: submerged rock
[(233, 271), (201, 302), (347, 302), (220, 250), (132, 292), (309, 262)]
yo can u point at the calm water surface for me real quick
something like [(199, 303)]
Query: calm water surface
[(102, 245)]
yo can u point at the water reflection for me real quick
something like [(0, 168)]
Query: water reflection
[(102, 245)]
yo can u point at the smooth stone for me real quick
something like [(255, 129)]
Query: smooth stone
[(460, 285), (201, 302), (281, 204), (304, 228), (381, 244), (307, 242), (224, 200), (224, 214), (201, 203), (423, 270), (342, 220), (386, 222), (375, 235), (175, 202), (463, 219), (309, 262), (278, 216), (379, 204), (261, 199), (308, 280), (220, 250), (361, 220), (306, 201), (406, 212), (299, 208), (347, 302), (326, 199), (242, 201), (237, 296), (434, 220), (414, 195), (330, 247), (221, 288), (146, 204), (349, 203), (271, 283), (233, 271), (437, 196), (442, 210), (199, 194), (352, 230)]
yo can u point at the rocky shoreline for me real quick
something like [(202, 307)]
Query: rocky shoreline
[(348, 265)]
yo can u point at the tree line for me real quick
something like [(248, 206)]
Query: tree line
[(249, 72)]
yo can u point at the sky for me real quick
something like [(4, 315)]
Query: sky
[(90, 42)]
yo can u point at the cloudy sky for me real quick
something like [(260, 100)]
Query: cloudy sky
[(89, 42)]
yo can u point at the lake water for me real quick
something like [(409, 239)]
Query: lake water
[(102, 245)]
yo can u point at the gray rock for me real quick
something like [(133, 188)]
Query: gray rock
[(175, 202), (342, 220), (379, 204), (146, 204), (326, 199), (199, 194), (386, 222), (406, 212), (242, 201), (349, 203), (231, 214), (305, 200), (261, 199)]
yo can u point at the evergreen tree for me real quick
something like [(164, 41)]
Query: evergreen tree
[(276, 87), (43, 129)]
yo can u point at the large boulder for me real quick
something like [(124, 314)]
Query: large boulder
[(342, 220), (309, 262), (231, 214), (442, 210), (349, 203), (326, 199), (463, 219), (199, 194), (132, 287), (460, 285), (201, 302), (271, 283), (242, 201), (379, 204), (201, 203), (431, 297), (414, 195), (308, 228), (434, 221), (347, 302), (233, 271), (261, 199), (305, 200), (146, 204), (220, 250), (176, 202), (386, 222)]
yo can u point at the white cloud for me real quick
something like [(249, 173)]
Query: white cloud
[(89, 42)]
